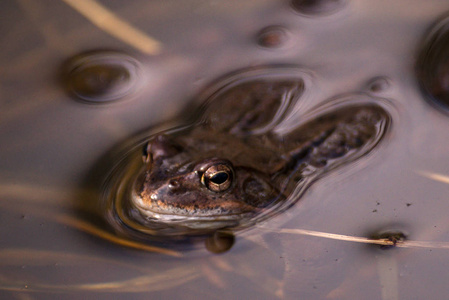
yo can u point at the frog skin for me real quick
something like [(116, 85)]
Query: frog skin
[(232, 166)]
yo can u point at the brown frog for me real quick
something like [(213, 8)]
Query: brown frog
[(232, 167)]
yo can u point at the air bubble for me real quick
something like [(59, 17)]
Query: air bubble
[(220, 242), (272, 37), (378, 84), (101, 76)]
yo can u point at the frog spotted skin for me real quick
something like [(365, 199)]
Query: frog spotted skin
[(231, 165)]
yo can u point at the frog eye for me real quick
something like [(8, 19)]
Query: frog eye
[(218, 178)]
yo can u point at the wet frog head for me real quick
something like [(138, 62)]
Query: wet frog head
[(196, 179), (233, 167)]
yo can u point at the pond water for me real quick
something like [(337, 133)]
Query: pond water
[(162, 55)]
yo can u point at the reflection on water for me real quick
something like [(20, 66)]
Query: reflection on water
[(52, 243)]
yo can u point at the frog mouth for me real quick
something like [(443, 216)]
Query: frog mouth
[(201, 219)]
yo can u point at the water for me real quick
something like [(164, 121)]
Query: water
[(51, 143)]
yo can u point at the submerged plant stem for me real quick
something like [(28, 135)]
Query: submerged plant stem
[(364, 240), (101, 17), (434, 176)]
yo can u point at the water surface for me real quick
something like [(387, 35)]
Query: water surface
[(51, 142)]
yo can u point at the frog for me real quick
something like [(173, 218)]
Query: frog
[(232, 167)]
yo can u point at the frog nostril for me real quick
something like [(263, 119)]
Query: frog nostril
[(173, 184)]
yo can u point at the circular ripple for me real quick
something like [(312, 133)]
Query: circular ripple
[(101, 76), (433, 64)]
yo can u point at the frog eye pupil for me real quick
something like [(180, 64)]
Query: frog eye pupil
[(219, 178)]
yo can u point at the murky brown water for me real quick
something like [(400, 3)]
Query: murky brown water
[(52, 144)]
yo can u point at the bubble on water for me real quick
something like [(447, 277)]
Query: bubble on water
[(272, 36), (432, 66), (220, 242), (101, 76), (317, 7), (378, 84)]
